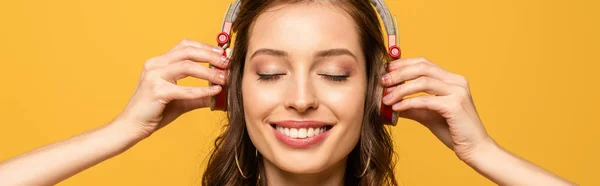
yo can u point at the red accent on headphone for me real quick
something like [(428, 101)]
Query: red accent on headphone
[(220, 100), (223, 38), (387, 113), (395, 52)]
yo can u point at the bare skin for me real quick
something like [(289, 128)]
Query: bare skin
[(158, 100)]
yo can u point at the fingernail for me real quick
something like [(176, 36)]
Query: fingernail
[(217, 50), (227, 61), (385, 78), (223, 58), (215, 87), (389, 89), (396, 106), (221, 75), (387, 98)]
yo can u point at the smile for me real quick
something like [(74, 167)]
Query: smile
[(301, 134)]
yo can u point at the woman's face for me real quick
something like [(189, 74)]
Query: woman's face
[(304, 86)]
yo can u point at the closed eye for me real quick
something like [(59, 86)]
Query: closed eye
[(272, 77), (335, 78), (269, 77)]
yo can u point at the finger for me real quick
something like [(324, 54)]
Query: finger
[(188, 68), (160, 61), (452, 78), (169, 92), (191, 43), (433, 103), (195, 54), (402, 62), (422, 84), (412, 72), (189, 105), (388, 90)]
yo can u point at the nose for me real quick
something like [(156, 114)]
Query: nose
[(301, 96)]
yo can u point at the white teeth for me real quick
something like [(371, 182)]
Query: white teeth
[(300, 132), (293, 133), (310, 132)]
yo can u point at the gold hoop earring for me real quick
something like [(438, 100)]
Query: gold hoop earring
[(237, 163), (368, 162)]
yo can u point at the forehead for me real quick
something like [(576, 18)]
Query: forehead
[(303, 28)]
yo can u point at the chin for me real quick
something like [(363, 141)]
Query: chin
[(304, 162)]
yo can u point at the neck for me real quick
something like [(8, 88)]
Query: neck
[(333, 175)]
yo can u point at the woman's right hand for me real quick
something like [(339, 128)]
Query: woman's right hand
[(158, 100)]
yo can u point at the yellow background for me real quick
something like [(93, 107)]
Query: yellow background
[(70, 66)]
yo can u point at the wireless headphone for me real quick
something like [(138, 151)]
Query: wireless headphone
[(388, 116)]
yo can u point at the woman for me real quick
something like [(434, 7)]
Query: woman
[(303, 81)]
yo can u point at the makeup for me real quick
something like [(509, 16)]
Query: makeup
[(301, 134), (388, 116)]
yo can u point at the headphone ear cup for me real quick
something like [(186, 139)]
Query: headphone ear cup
[(387, 115), (219, 101)]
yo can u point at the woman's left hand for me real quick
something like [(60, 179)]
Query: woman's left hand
[(449, 111)]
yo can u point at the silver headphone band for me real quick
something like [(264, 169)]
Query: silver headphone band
[(380, 6), (233, 11), (385, 15)]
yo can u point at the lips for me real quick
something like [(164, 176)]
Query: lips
[(301, 134)]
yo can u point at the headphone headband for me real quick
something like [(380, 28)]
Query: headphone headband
[(389, 22), (388, 116)]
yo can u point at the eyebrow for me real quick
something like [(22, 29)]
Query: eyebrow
[(320, 54), (270, 52), (335, 52)]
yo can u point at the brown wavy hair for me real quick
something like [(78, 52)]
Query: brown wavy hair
[(375, 140)]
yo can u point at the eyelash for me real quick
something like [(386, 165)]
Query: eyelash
[(268, 77), (335, 78), (272, 77)]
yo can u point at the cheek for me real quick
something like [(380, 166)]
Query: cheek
[(257, 100), (345, 102)]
